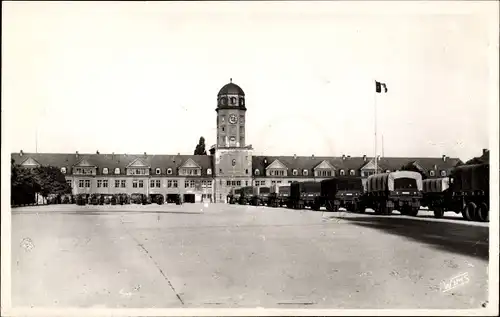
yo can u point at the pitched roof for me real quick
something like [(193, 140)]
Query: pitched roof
[(356, 163), (112, 161)]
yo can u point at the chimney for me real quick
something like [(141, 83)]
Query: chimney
[(485, 151), (378, 157), (76, 154), (444, 158), (145, 154), (348, 156), (113, 155), (364, 158), (312, 156), (294, 156), (343, 156), (435, 167), (21, 153), (97, 152)]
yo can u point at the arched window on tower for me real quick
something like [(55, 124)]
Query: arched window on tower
[(242, 102), (223, 101), (233, 100)]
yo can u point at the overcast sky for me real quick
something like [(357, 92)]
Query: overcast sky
[(136, 77)]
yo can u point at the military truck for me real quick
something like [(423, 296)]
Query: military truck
[(278, 195), (342, 192), (401, 190), (438, 196), (233, 196), (246, 194), (260, 196), (470, 185), (305, 194)]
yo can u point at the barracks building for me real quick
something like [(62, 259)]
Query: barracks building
[(230, 164)]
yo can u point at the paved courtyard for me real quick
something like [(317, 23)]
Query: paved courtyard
[(225, 256)]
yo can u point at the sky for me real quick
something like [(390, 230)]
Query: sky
[(134, 77)]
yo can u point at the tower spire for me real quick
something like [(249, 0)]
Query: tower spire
[(230, 80)]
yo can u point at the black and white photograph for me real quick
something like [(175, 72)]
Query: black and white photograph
[(216, 158)]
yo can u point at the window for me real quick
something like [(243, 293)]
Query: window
[(124, 183), (223, 101), (141, 184), (295, 172), (233, 162), (238, 183), (99, 183), (105, 183), (134, 183), (242, 119), (246, 183), (305, 172), (443, 173), (169, 171), (80, 183), (432, 173), (152, 183), (186, 184), (289, 182), (63, 170), (278, 182), (246, 171), (223, 128), (228, 183), (117, 170), (158, 183), (69, 182), (257, 172), (242, 102), (87, 183), (242, 129), (105, 171), (117, 183), (78, 171), (273, 182), (158, 171), (352, 172), (222, 119), (175, 183), (256, 183), (233, 101), (169, 183), (342, 172), (209, 171)]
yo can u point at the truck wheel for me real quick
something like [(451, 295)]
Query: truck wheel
[(438, 212), (413, 211), (469, 212), (482, 212)]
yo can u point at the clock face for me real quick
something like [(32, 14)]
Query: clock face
[(233, 119)]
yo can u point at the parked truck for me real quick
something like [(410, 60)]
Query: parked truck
[(246, 194), (438, 196), (342, 192), (233, 196), (400, 190), (470, 185), (305, 194), (279, 195), (260, 196)]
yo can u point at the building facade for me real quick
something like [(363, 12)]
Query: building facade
[(230, 164)]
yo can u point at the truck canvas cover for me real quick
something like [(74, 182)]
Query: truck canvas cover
[(329, 187), (304, 187), (471, 177), (435, 185), (246, 190), (264, 191), (382, 182), (284, 190)]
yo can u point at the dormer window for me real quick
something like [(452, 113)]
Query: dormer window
[(352, 172), (117, 171), (295, 172), (305, 172), (233, 162), (158, 171), (342, 172), (209, 171), (432, 173), (257, 172), (63, 170), (105, 171), (387, 171), (169, 171), (443, 173)]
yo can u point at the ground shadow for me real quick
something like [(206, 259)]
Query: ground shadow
[(114, 212), (456, 237)]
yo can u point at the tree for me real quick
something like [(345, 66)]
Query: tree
[(23, 185), (51, 181), (200, 148)]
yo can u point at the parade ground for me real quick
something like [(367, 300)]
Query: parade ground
[(231, 256)]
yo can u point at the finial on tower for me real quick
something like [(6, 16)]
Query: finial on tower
[(230, 80)]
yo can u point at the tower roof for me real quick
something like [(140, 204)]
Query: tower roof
[(231, 89)]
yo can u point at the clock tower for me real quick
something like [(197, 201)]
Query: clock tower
[(232, 157)]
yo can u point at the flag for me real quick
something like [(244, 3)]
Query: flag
[(380, 86)]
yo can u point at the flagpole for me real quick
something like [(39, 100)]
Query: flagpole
[(375, 109)]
